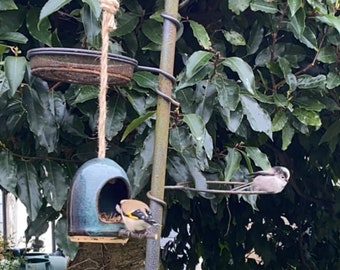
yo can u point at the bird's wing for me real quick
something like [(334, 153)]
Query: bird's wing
[(139, 214), (262, 173)]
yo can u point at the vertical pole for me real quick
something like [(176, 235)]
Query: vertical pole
[(162, 131)]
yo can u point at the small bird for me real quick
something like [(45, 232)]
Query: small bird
[(136, 215), (272, 180)]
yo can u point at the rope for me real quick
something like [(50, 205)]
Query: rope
[(110, 8)]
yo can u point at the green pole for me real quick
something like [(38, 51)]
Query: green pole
[(162, 131)]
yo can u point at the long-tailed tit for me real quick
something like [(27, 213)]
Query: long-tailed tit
[(272, 180)]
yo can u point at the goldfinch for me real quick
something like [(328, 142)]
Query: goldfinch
[(136, 215)]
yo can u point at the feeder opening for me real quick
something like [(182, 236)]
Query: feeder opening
[(109, 196)]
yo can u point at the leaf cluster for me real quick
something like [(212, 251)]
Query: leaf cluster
[(258, 83)]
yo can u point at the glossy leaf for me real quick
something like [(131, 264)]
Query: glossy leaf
[(135, 123), (232, 159), (294, 6), (264, 6), (333, 80), (332, 132), (52, 6), (228, 93), (14, 37), (297, 23), (8, 172), (196, 62), (308, 118), (115, 117), (126, 23), (255, 38), (243, 70), (279, 121), (260, 159), (91, 26), (40, 31), (54, 184), (40, 119), (238, 6), (287, 136), (146, 79), (258, 118), (7, 5), (200, 34), (330, 20), (234, 38), (153, 31), (15, 68), (327, 55), (307, 81), (139, 170), (62, 239), (28, 188), (95, 7)]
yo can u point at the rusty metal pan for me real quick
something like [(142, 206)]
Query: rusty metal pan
[(79, 65)]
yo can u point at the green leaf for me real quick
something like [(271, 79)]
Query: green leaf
[(333, 80), (294, 6), (41, 33), (232, 159), (116, 114), (139, 170), (135, 123), (146, 79), (54, 184), (95, 7), (243, 70), (228, 93), (91, 26), (15, 68), (309, 102), (330, 20), (84, 93), (297, 23), (238, 6), (52, 6), (62, 239), (234, 38), (28, 188), (199, 133), (153, 31), (177, 169), (179, 139), (7, 5), (127, 22), (258, 118), (308, 82), (287, 73), (232, 119), (40, 119), (196, 62), (332, 132), (264, 6), (8, 172), (260, 159), (287, 136), (308, 118), (255, 38), (327, 55), (205, 97), (200, 34), (14, 37), (279, 121)]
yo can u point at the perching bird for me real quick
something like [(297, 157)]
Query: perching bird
[(136, 215), (272, 180)]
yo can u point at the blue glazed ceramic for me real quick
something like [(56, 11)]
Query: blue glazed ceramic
[(98, 186)]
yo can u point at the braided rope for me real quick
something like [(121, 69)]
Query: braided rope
[(110, 8)]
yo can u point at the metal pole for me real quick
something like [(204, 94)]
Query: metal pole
[(162, 131)]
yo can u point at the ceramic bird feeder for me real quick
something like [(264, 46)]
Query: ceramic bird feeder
[(98, 186)]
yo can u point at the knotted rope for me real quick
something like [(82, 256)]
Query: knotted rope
[(110, 8)]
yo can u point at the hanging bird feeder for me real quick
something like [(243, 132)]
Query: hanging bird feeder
[(98, 186)]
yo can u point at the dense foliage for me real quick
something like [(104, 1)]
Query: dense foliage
[(258, 83)]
